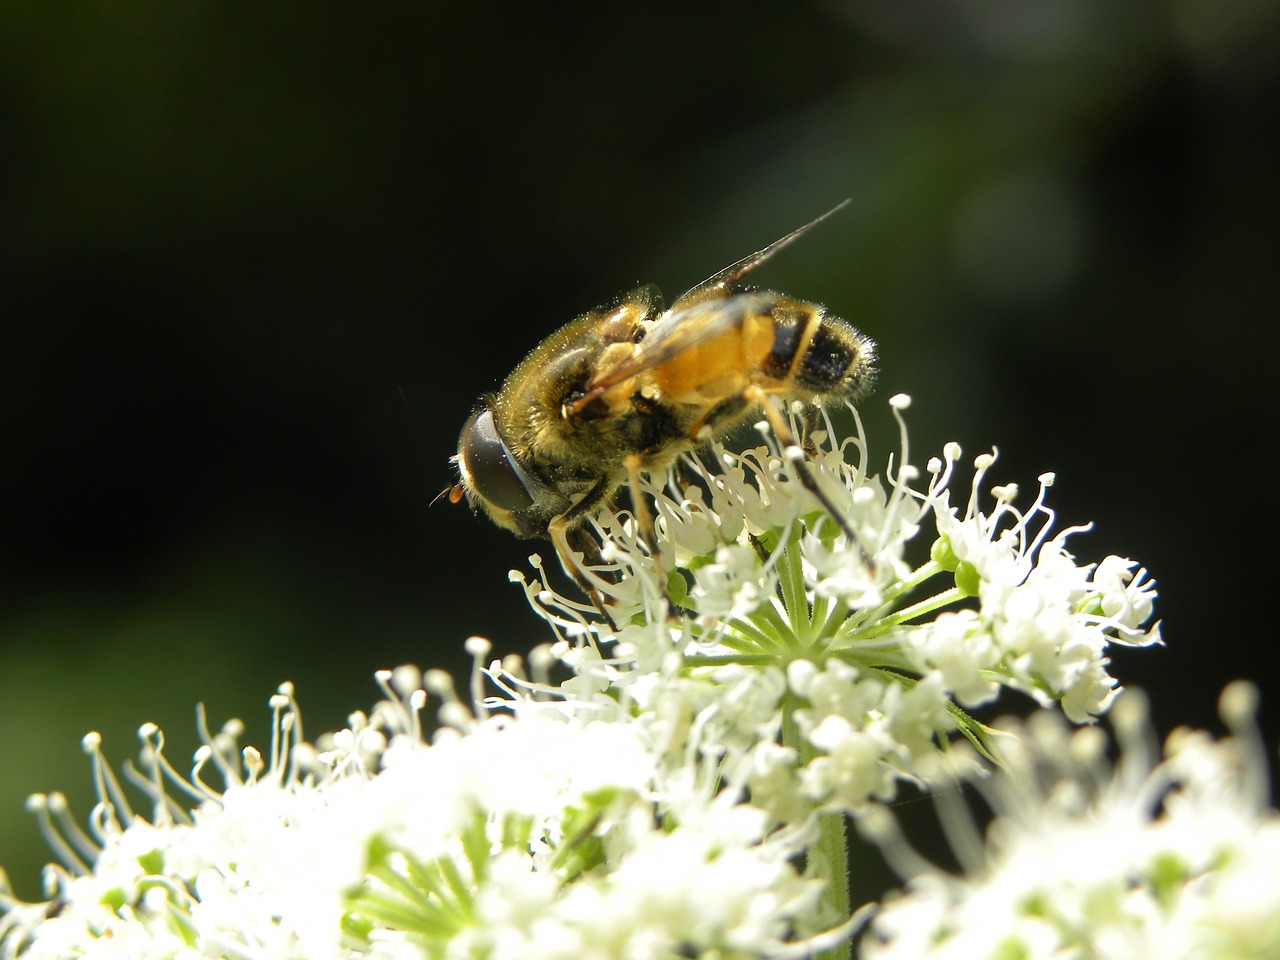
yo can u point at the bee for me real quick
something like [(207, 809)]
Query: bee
[(630, 386)]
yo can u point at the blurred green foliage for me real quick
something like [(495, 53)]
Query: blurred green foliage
[(256, 261)]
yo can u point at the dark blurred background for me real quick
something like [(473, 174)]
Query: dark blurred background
[(257, 261)]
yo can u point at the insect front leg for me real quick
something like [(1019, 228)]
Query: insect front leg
[(569, 524)]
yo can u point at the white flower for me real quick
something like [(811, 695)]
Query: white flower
[(837, 689), (532, 825), (960, 648), (766, 579), (851, 768), (1125, 598), (1170, 859), (733, 585), (710, 738)]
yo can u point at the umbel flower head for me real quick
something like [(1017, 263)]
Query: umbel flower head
[(1175, 857), (789, 622), (681, 794), (527, 828)]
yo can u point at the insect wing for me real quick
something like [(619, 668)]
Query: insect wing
[(735, 271), (678, 331)]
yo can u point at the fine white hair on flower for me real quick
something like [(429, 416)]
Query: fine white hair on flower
[(1171, 857)]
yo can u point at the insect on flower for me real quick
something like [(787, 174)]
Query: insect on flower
[(629, 386)]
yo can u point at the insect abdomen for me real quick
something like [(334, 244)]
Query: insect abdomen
[(816, 353)]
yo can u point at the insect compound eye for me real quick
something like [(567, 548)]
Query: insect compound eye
[(487, 464)]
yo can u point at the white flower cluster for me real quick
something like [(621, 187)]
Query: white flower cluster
[(784, 602), (683, 793), (1174, 858), (549, 829)]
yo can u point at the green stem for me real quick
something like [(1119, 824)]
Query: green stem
[(791, 582), (895, 591), (829, 857), (770, 622), (833, 854), (749, 632), (929, 569), (745, 659), (916, 610), (835, 620)]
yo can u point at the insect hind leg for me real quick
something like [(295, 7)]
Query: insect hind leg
[(648, 531), (795, 454)]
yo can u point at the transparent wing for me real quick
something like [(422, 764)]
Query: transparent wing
[(677, 332), (735, 271), (708, 310)]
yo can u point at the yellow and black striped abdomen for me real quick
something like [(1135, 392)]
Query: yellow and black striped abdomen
[(815, 355)]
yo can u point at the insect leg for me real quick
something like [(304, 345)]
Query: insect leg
[(645, 519), (560, 529), (806, 432), (795, 455)]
